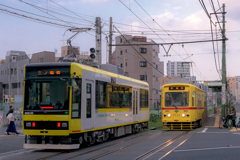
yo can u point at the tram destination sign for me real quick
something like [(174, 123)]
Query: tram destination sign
[(48, 72)]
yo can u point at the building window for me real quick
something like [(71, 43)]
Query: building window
[(120, 40), (126, 64), (2, 72), (120, 52), (21, 71), (121, 65), (143, 63), (156, 66), (143, 50), (40, 60), (156, 91), (15, 71), (126, 51), (156, 78), (11, 71), (143, 77)]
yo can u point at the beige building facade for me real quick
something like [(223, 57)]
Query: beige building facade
[(136, 67), (232, 83)]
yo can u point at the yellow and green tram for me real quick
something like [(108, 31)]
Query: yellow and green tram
[(67, 104), (182, 105)]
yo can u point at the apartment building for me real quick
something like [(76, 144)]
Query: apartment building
[(136, 67), (12, 73), (179, 68), (232, 83)]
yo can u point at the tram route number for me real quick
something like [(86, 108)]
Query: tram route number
[(102, 115)]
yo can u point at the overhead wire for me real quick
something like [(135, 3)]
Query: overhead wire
[(161, 27), (136, 51)]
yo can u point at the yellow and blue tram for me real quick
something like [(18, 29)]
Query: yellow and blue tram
[(67, 104), (182, 105)]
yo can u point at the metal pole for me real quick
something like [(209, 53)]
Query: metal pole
[(110, 42), (224, 85)]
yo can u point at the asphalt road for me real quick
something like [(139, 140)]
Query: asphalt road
[(202, 143)]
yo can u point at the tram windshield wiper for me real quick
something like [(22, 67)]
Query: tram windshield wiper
[(175, 106)]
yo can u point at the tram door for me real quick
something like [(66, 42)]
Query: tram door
[(135, 104), (88, 117)]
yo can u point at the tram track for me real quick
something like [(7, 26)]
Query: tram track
[(93, 150), (160, 147)]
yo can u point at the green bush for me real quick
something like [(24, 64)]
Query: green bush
[(154, 117)]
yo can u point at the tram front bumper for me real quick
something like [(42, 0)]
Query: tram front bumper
[(51, 146)]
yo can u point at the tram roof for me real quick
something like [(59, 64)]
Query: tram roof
[(111, 74), (87, 68)]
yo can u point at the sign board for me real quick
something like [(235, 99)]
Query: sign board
[(215, 84)]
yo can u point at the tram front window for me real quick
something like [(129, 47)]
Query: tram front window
[(46, 95), (178, 99)]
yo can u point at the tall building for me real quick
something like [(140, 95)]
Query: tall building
[(136, 67), (179, 68), (12, 73), (232, 83)]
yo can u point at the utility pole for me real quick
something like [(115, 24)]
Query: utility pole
[(110, 42), (224, 84), (98, 40)]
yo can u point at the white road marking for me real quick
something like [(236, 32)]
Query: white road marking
[(213, 132), (205, 129), (203, 149), (15, 153)]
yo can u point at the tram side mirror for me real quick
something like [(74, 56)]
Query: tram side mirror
[(70, 82)]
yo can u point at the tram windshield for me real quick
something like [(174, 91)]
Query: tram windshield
[(176, 99), (46, 95)]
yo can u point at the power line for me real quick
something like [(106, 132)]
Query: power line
[(33, 19), (72, 12), (37, 14), (148, 27), (45, 12)]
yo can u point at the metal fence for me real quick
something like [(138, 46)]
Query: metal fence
[(17, 113)]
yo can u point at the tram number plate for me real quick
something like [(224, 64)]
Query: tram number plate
[(176, 115), (28, 112)]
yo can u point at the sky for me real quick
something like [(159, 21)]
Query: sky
[(172, 21)]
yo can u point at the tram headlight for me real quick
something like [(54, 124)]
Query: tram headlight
[(64, 124), (183, 115), (169, 115), (188, 115), (164, 115)]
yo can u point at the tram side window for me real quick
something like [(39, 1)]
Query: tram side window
[(119, 96), (76, 98), (101, 97), (143, 98)]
